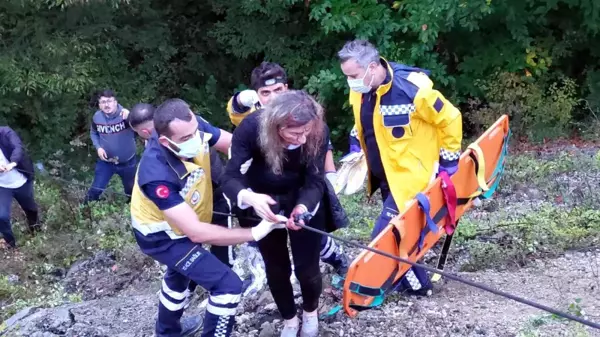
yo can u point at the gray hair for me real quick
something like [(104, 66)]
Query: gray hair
[(362, 51), (291, 108)]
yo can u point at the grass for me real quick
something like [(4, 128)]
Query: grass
[(71, 232), (542, 208), (532, 327)]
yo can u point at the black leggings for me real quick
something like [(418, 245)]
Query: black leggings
[(305, 252)]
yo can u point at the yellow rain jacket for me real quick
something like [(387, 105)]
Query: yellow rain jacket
[(415, 127), (235, 116)]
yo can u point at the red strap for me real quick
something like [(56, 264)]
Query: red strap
[(451, 200)]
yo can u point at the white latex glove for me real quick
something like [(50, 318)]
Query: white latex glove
[(245, 166), (247, 98), (332, 177), (265, 227), (259, 202)]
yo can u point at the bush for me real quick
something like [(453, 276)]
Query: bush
[(538, 108)]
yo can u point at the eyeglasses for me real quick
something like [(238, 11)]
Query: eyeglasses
[(108, 101)]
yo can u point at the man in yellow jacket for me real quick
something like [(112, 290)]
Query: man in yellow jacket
[(408, 130)]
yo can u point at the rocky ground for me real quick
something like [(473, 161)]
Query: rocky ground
[(120, 300), (454, 309)]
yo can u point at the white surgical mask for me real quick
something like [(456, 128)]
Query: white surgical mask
[(190, 148), (358, 84)]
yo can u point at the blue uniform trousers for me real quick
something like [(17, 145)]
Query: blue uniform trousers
[(415, 279), (188, 265)]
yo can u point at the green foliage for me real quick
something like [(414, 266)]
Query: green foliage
[(545, 233), (70, 232), (55, 53), (537, 110)]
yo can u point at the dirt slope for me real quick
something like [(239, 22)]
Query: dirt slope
[(453, 310)]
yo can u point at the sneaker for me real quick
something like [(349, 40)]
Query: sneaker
[(290, 330), (191, 325), (310, 325), (341, 267)]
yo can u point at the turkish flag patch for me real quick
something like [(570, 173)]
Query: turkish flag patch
[(162, 191)]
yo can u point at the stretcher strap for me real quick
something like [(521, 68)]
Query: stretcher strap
[(480, 172), (367, 291), (499, 170), (447, 211), (431, 226), (378, 294), (484, 191), (479, 160), (451, 201)]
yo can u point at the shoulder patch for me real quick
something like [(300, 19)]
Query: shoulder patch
[(162, 191), (421, 80)]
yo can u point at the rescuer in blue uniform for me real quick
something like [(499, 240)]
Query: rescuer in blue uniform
[(171, 210)]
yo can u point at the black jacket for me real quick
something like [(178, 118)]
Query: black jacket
[(15, 152), (299, 184), (335, 214), (304, 179)]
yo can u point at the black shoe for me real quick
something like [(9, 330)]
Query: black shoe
[(33, 222), (9, 244), (425, 291), (341, 267), (191, 325)]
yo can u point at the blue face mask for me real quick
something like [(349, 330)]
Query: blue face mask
[(190, 148)]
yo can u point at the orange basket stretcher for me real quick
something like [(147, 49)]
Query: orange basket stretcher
[(430, 215)]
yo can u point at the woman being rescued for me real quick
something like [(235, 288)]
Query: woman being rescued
[(286, 141)]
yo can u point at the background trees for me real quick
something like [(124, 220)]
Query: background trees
[(537, 60)]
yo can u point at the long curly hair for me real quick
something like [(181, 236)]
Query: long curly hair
[(291, 108)]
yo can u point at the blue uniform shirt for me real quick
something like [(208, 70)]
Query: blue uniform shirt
[(366, 116), (160, 169)]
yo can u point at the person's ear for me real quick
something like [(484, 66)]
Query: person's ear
[(372, 67), (163, 141)]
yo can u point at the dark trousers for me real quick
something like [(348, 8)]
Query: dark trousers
[(416, 278), (188, 264), (104, 172), (24, 196), (220, 252), (306, 246)]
